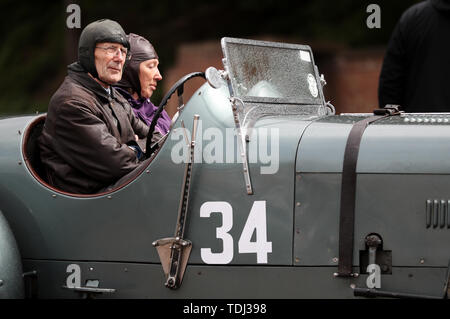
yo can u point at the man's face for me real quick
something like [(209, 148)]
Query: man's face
[(149, 76), (109, 61)]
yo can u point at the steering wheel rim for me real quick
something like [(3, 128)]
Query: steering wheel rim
[(178, 86)]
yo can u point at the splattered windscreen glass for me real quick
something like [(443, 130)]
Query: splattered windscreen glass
[(263, 71)]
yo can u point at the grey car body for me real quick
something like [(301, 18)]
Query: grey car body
[(268, 229)]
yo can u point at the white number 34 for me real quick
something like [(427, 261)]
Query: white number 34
[(256, 221)]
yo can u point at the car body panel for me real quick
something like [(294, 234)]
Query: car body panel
[(414, 148), (279, 241), (123, 224), (11, 282), (137, 280), (401, 166)]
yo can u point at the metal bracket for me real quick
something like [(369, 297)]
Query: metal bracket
[(388, 109), (90, 289), (177, 250), (331, 108), (374, 254), (373, 241), (236, 105), (174, 251)]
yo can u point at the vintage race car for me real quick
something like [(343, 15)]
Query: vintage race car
[(258, 191)]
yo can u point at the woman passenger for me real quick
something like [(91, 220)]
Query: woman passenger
[(139, 80)]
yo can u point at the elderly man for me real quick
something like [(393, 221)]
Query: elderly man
[(88, 141)]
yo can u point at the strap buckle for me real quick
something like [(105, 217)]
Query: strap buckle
[(389, 109)]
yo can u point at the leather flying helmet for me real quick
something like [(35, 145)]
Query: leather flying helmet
[(103, 30)]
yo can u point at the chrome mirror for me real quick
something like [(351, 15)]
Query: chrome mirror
[(214, 77)]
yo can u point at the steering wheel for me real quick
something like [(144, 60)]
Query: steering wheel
[(179, 87)]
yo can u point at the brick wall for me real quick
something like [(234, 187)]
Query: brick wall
[(352, 79), (191, 58)]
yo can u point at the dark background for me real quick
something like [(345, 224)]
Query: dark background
[(36, 45)]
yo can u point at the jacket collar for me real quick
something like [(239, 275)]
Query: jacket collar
[(79, 75)]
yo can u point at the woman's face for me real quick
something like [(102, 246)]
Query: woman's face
[(149, 76)]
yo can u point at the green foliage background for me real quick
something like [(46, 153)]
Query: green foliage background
[(32, 53)]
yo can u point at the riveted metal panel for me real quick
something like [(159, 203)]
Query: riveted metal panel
[(391, 205)]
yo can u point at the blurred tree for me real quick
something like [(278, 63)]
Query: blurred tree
[(37, 45), (30, 54)]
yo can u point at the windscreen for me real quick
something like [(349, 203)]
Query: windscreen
[(271, 72)]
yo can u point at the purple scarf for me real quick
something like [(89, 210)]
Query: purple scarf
[(145, 110)]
